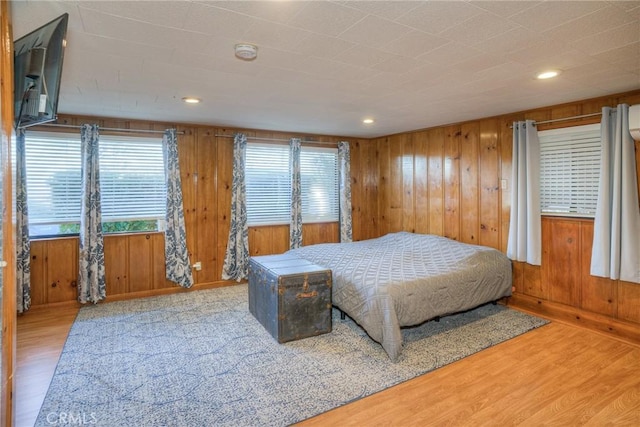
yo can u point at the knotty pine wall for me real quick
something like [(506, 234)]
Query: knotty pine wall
[(447, 181), (135, 262), (444, 180), (8, 288)]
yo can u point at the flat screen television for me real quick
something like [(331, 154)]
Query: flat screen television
[(37, 69)]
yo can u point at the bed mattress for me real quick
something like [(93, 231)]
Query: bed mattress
[(404, 279)]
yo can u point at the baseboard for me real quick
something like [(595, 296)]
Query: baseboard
[(133, 295), (626, 331)]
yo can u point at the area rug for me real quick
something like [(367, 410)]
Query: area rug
[(201, 359)]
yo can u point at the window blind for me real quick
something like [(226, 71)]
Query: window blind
[(53, 180), (319, 176), (268, 183), (131, 179), (570, 170)]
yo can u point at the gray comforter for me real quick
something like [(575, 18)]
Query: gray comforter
[(404, 279)]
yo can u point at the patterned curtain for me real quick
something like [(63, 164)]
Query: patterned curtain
[(177, 264), (616, 230), (344, 171), (295, 227), (236, 261), (91, 278), (525, 235), (23, 245)]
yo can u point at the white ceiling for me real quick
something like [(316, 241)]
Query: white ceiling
[(323, 66)]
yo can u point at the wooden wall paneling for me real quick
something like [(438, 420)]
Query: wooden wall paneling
[(408, 176), (38, 270), (279, 239), (206, 200), (518, 277), (598, 294), (8, 298), (469, 179), (140, 259), (385, 189), (538, 115), (187, 155), (364, 207), (357, 193), (435, 179), (116, 264), (268, 240), (628, 301), (324, 232), (533, 282), (372, 191), (158, 268), (224, 178), (260, 241), (396, 183), (364, 188), (505, 135), (421, 185), (489, 185), (452, 182), (561, 262), (62, 269)]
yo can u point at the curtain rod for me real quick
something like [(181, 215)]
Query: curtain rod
[(109, 129), (570, 118), (275, 139), (565, 119)]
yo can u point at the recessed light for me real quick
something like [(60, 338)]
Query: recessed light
[(367, 121), (191, 100), (548, 74)]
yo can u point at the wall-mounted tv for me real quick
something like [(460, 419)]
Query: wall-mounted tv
[(37, 69)]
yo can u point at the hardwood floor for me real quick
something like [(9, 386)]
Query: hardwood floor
[(558, 375)]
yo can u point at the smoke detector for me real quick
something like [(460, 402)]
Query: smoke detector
[(245, 51)]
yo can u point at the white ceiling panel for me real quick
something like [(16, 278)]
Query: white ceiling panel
[(326, 18), (374, 31), (434, 17), (322, 66)]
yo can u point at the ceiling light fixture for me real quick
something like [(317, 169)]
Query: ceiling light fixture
[(246, 52), (549, 74), (368, 121), (191, 100)]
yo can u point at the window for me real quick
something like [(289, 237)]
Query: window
[(319, 176), (570, 170), (269, 184), (131, 182)]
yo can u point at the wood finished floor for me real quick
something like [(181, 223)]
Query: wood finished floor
[(557, 375)]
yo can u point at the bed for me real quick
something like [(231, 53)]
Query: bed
[(404, 279)]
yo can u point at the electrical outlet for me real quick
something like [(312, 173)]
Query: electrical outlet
[(503, 184), (197, 266)]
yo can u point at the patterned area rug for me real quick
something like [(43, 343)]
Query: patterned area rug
[(201, 359)]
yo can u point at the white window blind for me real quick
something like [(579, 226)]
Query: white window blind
[(319, 176), (131, 180), (268, 183), (570, 170), (53, 181)]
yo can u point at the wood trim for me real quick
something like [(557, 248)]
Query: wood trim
[(7, 403), (626, 331), (65, 305)]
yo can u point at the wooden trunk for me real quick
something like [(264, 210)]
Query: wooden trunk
[(289, 296)]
